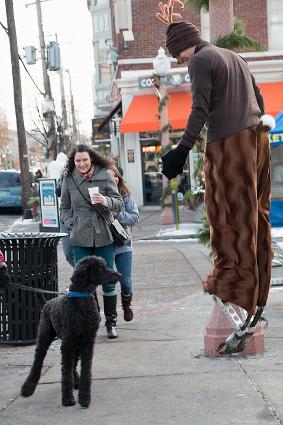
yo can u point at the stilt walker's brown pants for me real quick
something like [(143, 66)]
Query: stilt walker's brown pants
[(237, 202)]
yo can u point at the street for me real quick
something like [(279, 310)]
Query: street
[(161, 350), (7, 218)]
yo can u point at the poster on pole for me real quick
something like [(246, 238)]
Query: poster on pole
[(49, 205)]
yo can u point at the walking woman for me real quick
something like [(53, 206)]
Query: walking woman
[(123, 254), (81, 213)]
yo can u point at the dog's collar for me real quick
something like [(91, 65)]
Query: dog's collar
[(74, 294)]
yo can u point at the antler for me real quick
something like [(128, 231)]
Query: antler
[(167, 14)]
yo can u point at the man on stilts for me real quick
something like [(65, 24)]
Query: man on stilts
[(226, 98)]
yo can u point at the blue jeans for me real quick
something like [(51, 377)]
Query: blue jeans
[(107, 252), (123, 263), (67, 247)]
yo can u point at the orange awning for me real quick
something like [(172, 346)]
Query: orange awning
[(143, 111), (273, 97)]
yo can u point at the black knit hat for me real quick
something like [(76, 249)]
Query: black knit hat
[(180, 36)]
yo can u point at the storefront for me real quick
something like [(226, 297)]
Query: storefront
[(139, 141)]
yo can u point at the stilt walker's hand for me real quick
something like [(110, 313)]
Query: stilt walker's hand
[(173, 161)]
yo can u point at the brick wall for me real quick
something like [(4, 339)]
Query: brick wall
[(149, 33), (254, 14)]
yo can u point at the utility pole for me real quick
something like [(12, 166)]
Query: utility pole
[(75, 134), (63, 100), (52, 142), (23, 155)]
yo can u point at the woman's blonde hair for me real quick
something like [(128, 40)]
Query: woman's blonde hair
[(122, 187)]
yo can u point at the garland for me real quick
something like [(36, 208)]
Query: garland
[(162, 102), (166, 198)]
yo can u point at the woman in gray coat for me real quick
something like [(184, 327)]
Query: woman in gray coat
[(81, 213)]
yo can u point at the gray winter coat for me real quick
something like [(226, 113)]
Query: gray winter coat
[(87, 228)]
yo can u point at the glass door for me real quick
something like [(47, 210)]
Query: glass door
[(152, 176)]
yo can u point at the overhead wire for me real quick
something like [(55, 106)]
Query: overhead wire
[(22, 62)]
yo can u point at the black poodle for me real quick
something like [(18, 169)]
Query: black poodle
[(74, 318)]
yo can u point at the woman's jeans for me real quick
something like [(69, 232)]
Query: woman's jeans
[(107, 252), (66, 244), (123, 263)]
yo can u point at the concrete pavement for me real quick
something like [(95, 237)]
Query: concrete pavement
[(155, 372)]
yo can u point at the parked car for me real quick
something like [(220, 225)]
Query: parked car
[(11, 188)]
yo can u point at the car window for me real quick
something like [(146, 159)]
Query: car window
[(9, 179)]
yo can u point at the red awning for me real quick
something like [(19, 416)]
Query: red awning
[(273, 97), (143, 111)]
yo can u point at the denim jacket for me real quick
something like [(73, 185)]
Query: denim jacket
[(128, 218)]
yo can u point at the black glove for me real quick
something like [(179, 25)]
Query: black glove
[(173, 161)]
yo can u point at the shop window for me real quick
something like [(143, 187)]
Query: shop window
[(275, 24), (104, 72), (204, 25), (152, 166)]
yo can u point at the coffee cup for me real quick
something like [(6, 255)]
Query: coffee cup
[(93, 191)]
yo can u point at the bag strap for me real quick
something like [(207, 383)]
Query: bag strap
[(107, 219)]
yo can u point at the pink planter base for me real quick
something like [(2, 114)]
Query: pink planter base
[(167, 216), (217, 329)]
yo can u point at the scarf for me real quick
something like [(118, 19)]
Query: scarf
[(89, 174)]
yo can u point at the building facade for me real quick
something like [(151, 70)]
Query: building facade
[(137, 35)]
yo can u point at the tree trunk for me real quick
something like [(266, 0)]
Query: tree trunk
[(221, 18)]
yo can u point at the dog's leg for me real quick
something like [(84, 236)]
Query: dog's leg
[(67, 382), (75, 372), (86, 355), (45, 337)]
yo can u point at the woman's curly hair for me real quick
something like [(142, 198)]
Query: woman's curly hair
[(95, 158)]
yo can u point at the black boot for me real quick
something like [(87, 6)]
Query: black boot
[(126, 305), (110, 312)]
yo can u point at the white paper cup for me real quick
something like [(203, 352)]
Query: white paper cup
[(92, 191)]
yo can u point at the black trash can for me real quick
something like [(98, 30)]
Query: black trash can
[(32, 263)]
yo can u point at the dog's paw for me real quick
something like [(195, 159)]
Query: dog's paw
[(84, 402), (28, 389), (70, 401)]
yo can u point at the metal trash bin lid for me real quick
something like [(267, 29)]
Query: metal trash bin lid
[(32, 235)]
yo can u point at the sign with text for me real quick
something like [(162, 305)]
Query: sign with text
[(174, 79), (49, 204), (131, 155), (276, 137)]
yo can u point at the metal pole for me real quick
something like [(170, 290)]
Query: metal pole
[(52, 140), (166, 216), (46, 80), (23, 155), (74, 120)]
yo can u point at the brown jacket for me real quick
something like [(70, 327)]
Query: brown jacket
[(225, 95)]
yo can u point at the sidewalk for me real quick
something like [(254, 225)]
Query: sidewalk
[(155, 373)]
